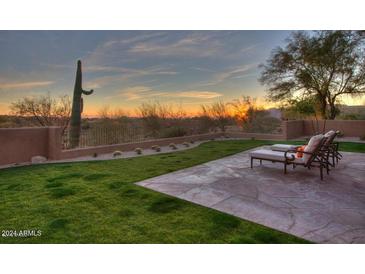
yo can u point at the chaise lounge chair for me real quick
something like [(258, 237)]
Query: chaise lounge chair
[(313, 155), (329, 145)]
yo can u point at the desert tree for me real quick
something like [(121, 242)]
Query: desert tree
[(108, 113), (113, 118), (307, 107), (157, 116), (325, 65), (206, 122), (104, 113), (44, 110), (253, 118), (219, 113), (153, 114), (244, 110)]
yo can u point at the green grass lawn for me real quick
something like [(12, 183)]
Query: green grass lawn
[(98, 202)]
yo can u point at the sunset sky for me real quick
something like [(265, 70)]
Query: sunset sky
[(126, 68)]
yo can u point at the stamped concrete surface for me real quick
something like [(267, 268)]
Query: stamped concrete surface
[(299, 203)]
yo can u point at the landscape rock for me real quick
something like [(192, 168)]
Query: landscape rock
[(38, 159), (117, 153)]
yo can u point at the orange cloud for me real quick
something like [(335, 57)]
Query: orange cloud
[(24, 85), (199, 94)]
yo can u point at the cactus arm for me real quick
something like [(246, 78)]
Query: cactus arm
[(87, 92), (81, 105)]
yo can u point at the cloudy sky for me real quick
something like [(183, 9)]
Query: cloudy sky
[(126, 68)]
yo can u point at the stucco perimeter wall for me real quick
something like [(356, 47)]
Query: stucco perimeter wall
[(349, 128), (19, 145), (293, 129)]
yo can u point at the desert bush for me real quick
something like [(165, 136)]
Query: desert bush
[(85, 124), (113, 116), (244, 110), (8, 121), (251, 118), (206, 123), (44, 110), (352, 116), (152, 115), (218, 113), (156, 117), (173, 132), (262, 122)]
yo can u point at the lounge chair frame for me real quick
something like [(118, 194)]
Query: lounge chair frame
[(318, 158)]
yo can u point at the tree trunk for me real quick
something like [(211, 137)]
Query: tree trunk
[(323, 109), (333, 112)]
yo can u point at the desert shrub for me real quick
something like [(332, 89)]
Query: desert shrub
[(152, 116), (85, 124), (243, 109), (262, 122), (217, 113), (206, 123), (158, 116), (173, 132), (352, 116), (44, 110)]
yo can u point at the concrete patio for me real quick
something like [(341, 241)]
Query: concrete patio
[(299, 203)]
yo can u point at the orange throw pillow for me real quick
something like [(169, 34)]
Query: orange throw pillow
[(300, 150)]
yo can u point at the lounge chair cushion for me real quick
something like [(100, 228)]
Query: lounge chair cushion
[(313, 144), (283, 147), (266, 154), (330, 135)]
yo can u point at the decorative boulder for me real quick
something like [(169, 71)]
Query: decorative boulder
[(117, 153), (156, 148), (38, 159), (172, 146)]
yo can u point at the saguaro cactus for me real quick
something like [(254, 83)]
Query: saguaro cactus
[(77, 107)]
